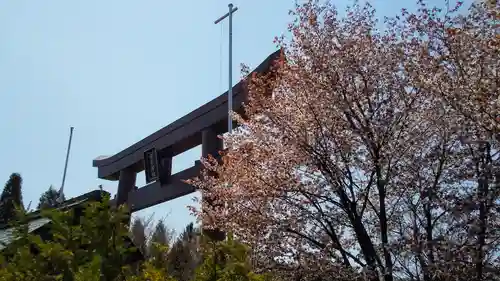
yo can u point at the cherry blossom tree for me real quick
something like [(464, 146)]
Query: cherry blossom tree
[(366, 153)]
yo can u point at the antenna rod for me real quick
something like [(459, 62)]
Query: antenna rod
[(66, 163), (230, 90)]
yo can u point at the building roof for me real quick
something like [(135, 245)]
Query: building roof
[(7, 235), (36, 221)]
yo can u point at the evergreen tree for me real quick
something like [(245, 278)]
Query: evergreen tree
[(11, 198), (138, 233), (185, 255), (161, 235), (159, 242), (228, 260), (48, 199)]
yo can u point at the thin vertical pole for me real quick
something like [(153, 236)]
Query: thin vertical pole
[(66, 163), (230, 74), (230, 90)]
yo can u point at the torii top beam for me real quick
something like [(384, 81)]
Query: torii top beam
[(181, 135)]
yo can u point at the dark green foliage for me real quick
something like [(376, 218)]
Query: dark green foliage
[(97, 248), (158, 245), (11, 198), (160, 234), (227, 260), (94, 248), (49, 198), (138, 233), (185, 256)]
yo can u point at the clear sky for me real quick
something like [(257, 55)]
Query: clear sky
[(117, 70)]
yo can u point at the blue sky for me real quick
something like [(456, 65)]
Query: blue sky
[(117, 71)]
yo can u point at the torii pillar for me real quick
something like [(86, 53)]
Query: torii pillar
[(126, 184)]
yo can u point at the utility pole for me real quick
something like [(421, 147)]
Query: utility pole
[(61, 190), (230, 90)]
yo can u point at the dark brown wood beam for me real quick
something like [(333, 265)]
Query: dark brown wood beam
[(157, 193), (125, 185)]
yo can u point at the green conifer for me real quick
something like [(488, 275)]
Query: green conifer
[(11, 198)]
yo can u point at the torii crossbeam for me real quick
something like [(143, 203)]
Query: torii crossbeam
[(201, 126)]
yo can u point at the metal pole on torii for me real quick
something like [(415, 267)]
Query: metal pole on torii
[(230, 90), (217, 234)]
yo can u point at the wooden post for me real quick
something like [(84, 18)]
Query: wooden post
[(211, 144), (126, 184)]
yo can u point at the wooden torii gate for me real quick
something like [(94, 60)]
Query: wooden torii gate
[(155, 152)]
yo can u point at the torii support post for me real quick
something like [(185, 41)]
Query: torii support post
[(211, 144), (126, 184)]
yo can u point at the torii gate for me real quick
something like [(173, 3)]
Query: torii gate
[(155, 152)]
